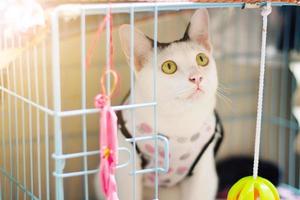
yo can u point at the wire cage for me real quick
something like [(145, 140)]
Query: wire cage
[(49, 126)]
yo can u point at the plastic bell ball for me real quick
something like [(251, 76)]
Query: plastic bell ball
[(250, 188)]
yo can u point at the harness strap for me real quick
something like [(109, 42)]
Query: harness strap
[(127, 134), (218, 123)]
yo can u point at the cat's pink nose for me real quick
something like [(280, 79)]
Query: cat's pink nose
[(195, 79)]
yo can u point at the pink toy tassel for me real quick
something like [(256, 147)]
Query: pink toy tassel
[(108, 146)]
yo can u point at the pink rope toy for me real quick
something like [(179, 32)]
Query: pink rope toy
[(108, 122), (108, 146)]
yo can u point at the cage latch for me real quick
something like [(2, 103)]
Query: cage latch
[(252, 5)]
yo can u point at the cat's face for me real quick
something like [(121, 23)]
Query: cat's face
[(186, 70)]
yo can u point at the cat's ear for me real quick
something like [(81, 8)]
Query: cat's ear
[(198, 29), (142, 45)]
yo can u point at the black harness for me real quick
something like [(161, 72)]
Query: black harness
[(219, 134)]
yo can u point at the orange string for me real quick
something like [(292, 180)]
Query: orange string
[(115, 82), (110, 68), (95, 42), (111, 64)]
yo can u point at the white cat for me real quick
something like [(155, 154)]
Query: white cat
[(186, 97)]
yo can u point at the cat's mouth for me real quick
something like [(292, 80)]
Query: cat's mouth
[(195, 94)]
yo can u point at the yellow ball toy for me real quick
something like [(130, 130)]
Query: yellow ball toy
[(250, 188), (254, 187)]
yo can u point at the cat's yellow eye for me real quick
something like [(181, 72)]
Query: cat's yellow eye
[(169, 67), (202, 60)]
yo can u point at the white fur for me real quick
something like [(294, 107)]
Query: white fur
[(177, 114)]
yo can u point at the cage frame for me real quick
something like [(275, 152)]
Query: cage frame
[(102, 9)]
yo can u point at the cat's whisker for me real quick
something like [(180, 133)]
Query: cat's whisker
[(183, 91), (227, 101), (223, 85), (224, 88), (224, 98), (222, 91)]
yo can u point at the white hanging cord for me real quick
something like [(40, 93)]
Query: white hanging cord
[(266, 10)]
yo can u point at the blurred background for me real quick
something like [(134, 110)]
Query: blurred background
[(27, 130)]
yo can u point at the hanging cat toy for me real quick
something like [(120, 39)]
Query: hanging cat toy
[(108, 120), (255, 187)]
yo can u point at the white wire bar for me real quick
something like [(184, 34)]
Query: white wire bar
[(59, 165), (18, 184), (132, 100), (22, 93), (9, 119), (15, 118), (38, 133), (94, 9), (29, 89), (155, 40), (83, 100), (3, 130), (72, 112), (46, 127), (130, 153)]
